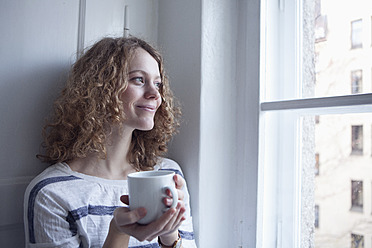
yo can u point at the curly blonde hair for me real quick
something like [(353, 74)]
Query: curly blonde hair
[(90, 104)]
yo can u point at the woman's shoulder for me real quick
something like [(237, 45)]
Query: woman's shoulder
[(57, 170), (169, 164), (51, 175)]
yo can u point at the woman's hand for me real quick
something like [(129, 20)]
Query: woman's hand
[(169, 238), (166, 227)]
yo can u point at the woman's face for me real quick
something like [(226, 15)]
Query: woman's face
[(142, 98)]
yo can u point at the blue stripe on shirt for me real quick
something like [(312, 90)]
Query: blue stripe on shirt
[(152, 245), (186, 235), (31, 200), (79, 213), (174, 170)]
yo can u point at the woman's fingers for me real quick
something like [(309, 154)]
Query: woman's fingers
[(181, 195), (123, 216), (180, 182), (162, 224), (168, 200), (169, 225), (152, 230), (124, 199), (175, 222), (181, 216)]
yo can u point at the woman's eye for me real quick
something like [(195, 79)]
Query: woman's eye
[(138, 80), (158, 85)]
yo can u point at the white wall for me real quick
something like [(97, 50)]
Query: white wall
[(218, 123), (35, 54)]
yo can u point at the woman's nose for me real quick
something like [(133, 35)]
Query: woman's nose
[(152, 91)]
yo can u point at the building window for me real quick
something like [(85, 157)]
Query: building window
[(357, 196), (357, 140), (356, 82), (317, 164), (321, 28), (356, 34), (357, 241), (320, 23), (316, 216)]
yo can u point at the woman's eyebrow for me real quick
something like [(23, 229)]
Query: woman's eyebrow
[(134, 71), (143, 72)]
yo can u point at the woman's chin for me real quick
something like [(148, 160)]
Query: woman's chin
[(147, 127)]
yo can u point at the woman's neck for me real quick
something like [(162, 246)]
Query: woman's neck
[(116, 165)]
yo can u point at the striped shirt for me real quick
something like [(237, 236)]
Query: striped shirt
[(64, 208)]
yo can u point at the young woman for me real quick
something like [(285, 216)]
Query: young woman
[(114, 117)]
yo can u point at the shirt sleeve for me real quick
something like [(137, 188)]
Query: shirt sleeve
[(46, 221)]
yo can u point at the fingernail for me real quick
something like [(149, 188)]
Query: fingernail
[(173, 211)]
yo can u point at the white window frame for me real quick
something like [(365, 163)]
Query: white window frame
[(280, 219)]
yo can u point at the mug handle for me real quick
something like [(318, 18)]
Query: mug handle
[(174, 195)]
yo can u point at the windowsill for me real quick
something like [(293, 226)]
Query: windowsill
[(356, 209), (356, 153), (356, 47)]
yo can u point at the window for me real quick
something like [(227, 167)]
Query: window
[(317, 164), (316, 216), (357, 196), (357, 140), (321, 28), (320, 23), (357, 241), (356, 82), (294, 95), (356, 34)]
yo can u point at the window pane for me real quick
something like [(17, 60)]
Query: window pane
[(316, 216), (356, 82), (356, 34), (357, 139), (343, 185), (357, 196), (357, 241)]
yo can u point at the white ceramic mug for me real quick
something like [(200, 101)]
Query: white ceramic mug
[(147, 189)]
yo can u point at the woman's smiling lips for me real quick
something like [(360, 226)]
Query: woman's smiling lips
[(150, 108)]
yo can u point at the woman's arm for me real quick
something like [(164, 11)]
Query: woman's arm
[(115, 238)]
